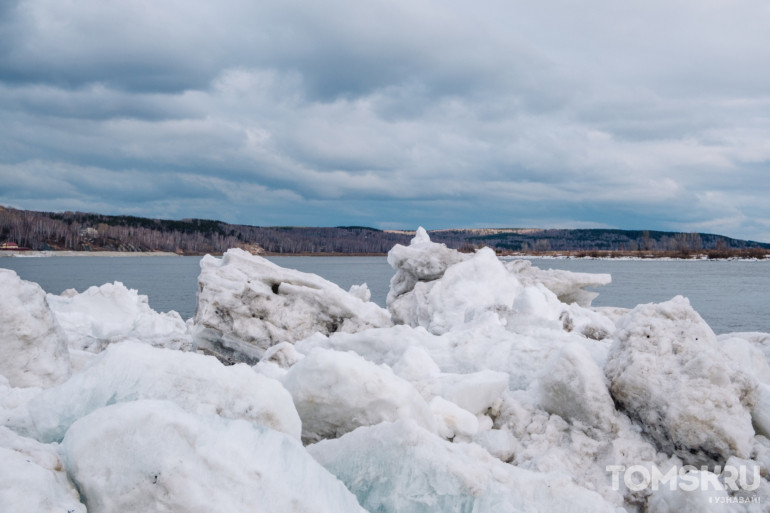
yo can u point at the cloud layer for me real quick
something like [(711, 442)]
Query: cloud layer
[(391, 114)]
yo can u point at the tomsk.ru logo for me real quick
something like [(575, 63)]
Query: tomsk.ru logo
[(686, 478)]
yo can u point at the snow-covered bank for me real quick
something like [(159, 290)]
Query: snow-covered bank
[(486, 386)]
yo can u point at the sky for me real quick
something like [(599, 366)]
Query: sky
[(633, 114)]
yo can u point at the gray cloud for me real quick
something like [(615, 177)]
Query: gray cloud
[(391, 114)]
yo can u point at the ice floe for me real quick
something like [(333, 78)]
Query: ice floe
[(247, 304), (336, 392), (114, 313), (667, 372), (131, 371), (33, 477), (401, 467), (150, 455), (33, 347)]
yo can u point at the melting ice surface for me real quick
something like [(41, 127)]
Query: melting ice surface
[(484, 386)]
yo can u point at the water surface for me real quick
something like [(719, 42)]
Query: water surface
[(730, 295)]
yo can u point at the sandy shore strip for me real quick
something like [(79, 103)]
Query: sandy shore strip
[(46, 254)]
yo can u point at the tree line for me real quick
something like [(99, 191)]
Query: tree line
[(78, 231), (610, 240)]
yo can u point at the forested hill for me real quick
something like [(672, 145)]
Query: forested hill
[(94, 232)]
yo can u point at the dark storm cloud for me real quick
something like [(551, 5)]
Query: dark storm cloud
[(340, 48), (392, 114)]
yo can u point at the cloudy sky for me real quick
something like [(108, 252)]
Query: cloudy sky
[(392, 114)]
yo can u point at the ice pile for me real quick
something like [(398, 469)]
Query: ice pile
[(33, 477), (336, 392), (704, 415), (34, 347), (247, 304), (151, 455), (131, 371), (401, 467), (113, 313), (486, 386)]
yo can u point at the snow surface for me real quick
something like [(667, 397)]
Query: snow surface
[(33, 347), (667, 371), (421, 261), (336, 392), (666, 500), (441, 290), (572, 386), (247, 304), (14, 407), (33, 479), (131, 371), (485, 386), (153, 456), (402, 467), (569, 287), (113, 313)]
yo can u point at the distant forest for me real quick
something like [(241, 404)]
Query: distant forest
[(79, 231)]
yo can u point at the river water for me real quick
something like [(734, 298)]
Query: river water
[(729, 295)]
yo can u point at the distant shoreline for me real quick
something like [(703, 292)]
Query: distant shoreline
[(90, 232), (555, 255), (52, 254), (62, 253)]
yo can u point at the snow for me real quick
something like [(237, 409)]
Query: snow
[(422, 261), (386, 345), (547, 442), (247, 304), (475, 392), (130, 371), (415, 365), (748, 353), (277, 360), (452, 421), (442, 290), (33, 347), (33, 477), (464, 291), (667, 371), (336, 392), (757, 339), (14, 410), (402, 467), (569, 287), (153, 456), (500, 443), (485, 386), (666, 500), (761, 412), (113, 313), (361, 291), (572, 386)]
